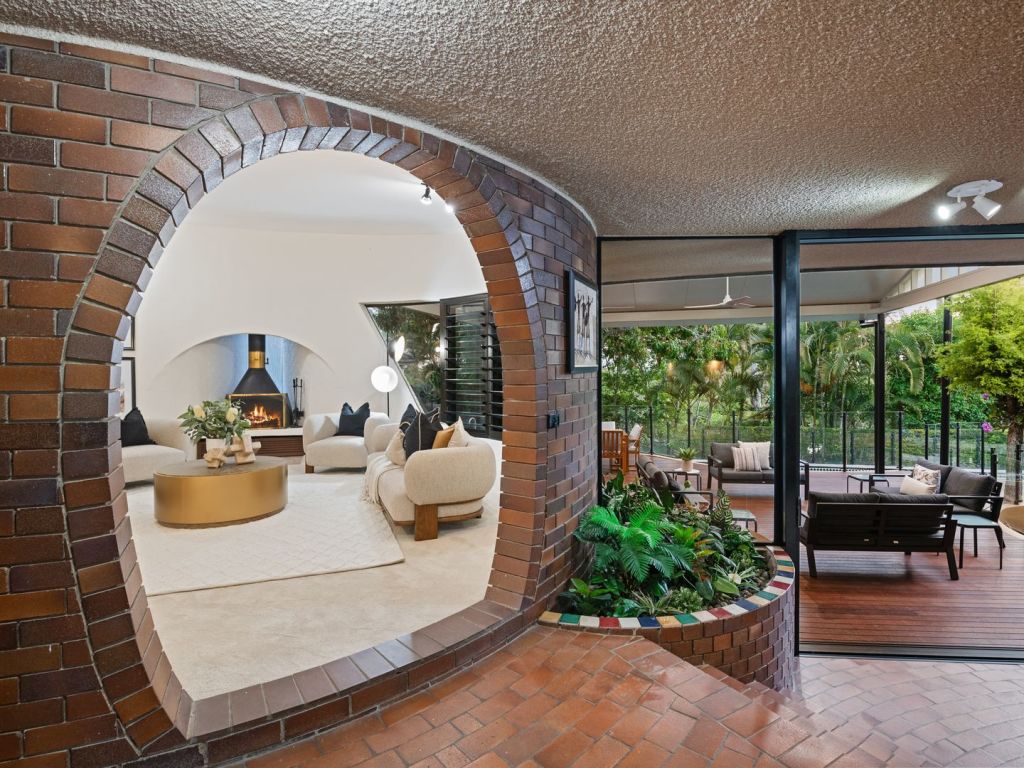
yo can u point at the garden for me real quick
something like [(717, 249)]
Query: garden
[(646, 555)]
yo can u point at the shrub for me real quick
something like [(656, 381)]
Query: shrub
[(650, 556)]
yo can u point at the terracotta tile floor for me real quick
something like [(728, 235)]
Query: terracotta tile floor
[(556, 698)]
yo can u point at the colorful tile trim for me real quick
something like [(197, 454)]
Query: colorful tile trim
[(778, 585)]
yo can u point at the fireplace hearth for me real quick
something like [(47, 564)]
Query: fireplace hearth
[(256, 395)]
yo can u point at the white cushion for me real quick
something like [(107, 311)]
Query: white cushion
[(460, 437), (763, 451), (912, 487), (929, 477), (344, 451), (607, 425), (140, 461), (396, 450), (634, 433), (745, 459)]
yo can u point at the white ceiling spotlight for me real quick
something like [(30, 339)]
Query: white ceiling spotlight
[(976, 189), (425, 197)]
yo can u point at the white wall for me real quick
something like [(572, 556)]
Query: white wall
[(308, 287)]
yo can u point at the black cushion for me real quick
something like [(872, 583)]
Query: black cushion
[(723, 452), (407, 417), (944, 470), (134, 430), (963, 483), (419, 435), (353, 422)]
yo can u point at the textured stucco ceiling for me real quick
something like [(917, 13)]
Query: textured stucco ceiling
[(658, 117)]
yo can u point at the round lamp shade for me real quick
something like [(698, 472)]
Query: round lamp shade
[(384, 378)]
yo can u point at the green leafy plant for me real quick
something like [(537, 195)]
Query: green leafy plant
[(687, 453), (215, 419), (650, 556)]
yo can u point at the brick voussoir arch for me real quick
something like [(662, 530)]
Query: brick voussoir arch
[(136, 676)]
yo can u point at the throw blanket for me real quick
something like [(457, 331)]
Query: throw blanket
[(376, 467)]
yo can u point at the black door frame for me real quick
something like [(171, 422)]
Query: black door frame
[(786, 248)]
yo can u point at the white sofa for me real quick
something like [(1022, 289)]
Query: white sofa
[(325, 449), (436, 486), (171, 445)]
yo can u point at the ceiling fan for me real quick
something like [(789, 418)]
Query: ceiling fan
[(727, 302)]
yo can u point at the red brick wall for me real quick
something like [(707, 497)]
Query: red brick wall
[(102, 154)]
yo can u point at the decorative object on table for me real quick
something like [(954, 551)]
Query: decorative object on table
[(126, 389), (298, 415), (686, 457), (218, 422), (244, 449), (581, 323)]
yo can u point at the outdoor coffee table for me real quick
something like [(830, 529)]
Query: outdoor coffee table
[(975, 522), (872, 479), (686, 473), (746, 517)]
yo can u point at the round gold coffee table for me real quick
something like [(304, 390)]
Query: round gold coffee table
[(190, 494)]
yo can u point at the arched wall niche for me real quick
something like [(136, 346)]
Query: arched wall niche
[(71, 581)]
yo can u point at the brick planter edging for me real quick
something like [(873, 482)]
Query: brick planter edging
[(749, 639)]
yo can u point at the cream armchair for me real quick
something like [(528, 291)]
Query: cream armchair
[(437, 486), (325, 449), (171, 445)]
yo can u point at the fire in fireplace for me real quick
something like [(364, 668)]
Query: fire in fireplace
[(259, 399)]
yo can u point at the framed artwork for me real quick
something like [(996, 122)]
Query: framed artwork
[(129, 340), (581, 323), (126, 389)]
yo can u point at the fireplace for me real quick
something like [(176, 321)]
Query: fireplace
[(256, 395)]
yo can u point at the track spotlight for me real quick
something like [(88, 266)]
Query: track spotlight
[(425, 198), (946, 211), (986, 207), (977, 190)]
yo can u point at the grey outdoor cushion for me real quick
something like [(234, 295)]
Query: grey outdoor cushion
[(963, 483), (768, 476), (659, 480), (723, 452), (904, 498), (741, 476), (815, 497), (944, 470)]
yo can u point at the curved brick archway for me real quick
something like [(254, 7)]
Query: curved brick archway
[(127, 700)]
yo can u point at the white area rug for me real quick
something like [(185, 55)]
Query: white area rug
[(326, 528)]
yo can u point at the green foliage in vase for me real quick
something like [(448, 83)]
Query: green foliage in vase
[(216, 419), (687, 453)]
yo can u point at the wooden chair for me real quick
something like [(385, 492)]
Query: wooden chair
[(633, 443), (615, 448)]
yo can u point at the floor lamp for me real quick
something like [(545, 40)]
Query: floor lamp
[(384, 378)]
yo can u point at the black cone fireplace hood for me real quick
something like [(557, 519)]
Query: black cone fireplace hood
[(256, 380)]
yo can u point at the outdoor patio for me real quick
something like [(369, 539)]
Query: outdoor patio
[(889, 599)]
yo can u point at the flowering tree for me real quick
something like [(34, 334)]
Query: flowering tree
[(987, 353)]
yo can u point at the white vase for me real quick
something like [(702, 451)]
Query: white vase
[(687, 465), (216, 442)]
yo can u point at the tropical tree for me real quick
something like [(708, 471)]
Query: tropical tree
[(987, 351)]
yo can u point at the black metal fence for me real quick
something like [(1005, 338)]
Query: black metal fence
[(832, 441)]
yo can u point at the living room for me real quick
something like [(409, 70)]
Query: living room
[(284, 271)]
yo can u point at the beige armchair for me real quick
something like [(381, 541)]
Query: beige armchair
[(437, 486), (325, 449)]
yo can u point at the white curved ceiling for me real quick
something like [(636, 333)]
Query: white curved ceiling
[(741, 116), (335, 192)]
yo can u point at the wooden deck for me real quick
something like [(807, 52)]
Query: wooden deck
[(890, 599)]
